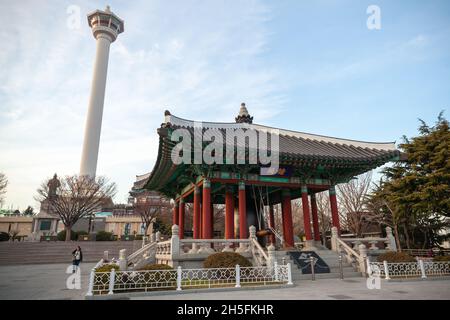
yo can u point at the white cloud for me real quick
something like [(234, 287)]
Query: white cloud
[(196, 58)]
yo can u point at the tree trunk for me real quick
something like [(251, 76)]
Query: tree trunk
[(68, 233), (90, 223), (405, 232), (397, 238)]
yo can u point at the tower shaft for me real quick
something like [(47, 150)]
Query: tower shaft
[(95, 110), (106, 26)]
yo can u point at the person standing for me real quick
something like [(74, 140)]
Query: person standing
[(77, 258)]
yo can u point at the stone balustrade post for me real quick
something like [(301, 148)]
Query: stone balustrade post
[(175, 243), (422, 269), (252, 232), (334, 237), (386, 270), (158, 235), (112, 278), (392, 244), (289, 274), (238, 277), (362, 258), (123, 263), (179, 278), (91, 282)]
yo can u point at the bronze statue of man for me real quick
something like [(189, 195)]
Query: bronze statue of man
[(53, 185)]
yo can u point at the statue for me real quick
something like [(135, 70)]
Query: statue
[(52, 185)]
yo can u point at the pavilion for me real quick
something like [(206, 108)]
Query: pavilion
[(308, 164)]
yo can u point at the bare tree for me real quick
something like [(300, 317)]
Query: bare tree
[(150, 209), (380, 212), (74, 197), (3, 185), (324, 213), (352, 198)]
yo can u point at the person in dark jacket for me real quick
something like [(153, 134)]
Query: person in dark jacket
[(77, 258)]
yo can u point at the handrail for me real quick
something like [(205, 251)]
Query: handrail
[(347, 248), (99, 264), (258, 252), (260, 249), (139, 252)]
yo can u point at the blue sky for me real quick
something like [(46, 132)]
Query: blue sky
[(310, 66)]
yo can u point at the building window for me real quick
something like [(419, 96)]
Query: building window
[(45, 225)]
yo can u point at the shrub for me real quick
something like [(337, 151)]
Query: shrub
[(4, 236), (226, 260), (138, 237), (156, 267), (61, 236), (396, 257), (107, 268), (441, 258), (82, 233), (104, 236)]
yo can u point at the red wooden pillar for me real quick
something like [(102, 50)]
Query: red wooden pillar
[(197, 213), (306, 213), (175, 213), (229, 214), (288, 230), (181, 219), (206, 210), (315, 217), (212, 220), (243, 232), (334, 209), (272, 224)]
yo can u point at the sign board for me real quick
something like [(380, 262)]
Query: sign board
[(283, 172), (303, 261)]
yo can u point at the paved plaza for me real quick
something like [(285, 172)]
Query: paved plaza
[(49, 282)]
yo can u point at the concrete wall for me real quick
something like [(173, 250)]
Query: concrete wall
[(22, 224)]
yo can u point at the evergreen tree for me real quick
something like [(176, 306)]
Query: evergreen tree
[(418, 188)]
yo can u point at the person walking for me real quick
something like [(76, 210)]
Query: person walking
[(77, 258)]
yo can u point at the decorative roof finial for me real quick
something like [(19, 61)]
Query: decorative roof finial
[(108, 9), (243, 116)]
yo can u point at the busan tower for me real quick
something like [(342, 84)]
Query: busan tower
[(106, 26)]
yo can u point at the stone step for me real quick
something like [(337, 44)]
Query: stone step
[(333, 275), (16, 253)]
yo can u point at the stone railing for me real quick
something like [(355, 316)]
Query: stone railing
[(174, 250), (372, 243), (355, 249), (260, 257), (420, 269), (108, 283)]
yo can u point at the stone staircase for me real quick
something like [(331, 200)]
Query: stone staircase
[(331, 258), (17, 253)]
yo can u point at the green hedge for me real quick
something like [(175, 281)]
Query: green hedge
[(396, 257), (104, 236), (156, 267), (73, 235), (226, 260), (4, 236), (441, 258)]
